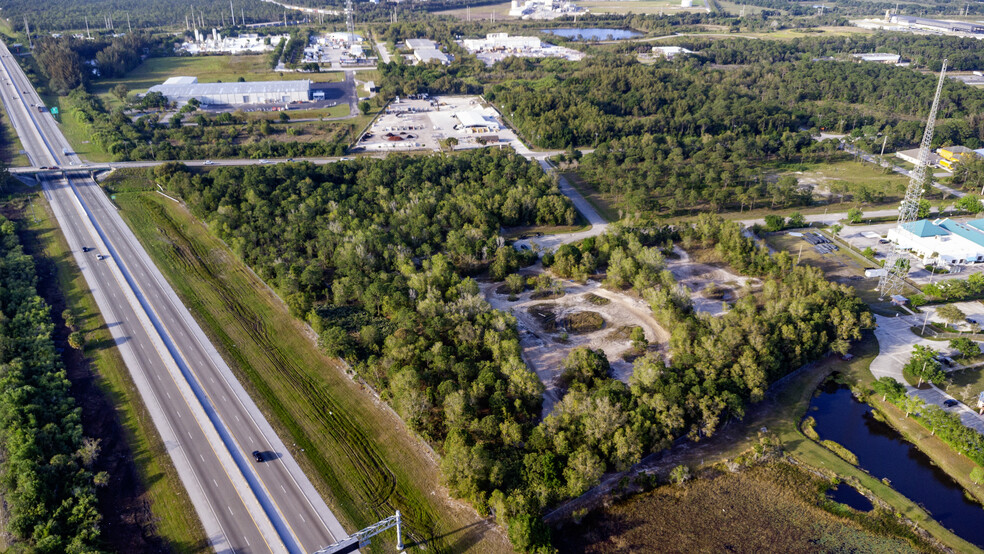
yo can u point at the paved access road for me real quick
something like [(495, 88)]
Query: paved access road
[(208, 423)]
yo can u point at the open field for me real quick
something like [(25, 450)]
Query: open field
[(666, 7), (355, 449), (479, 12), (966, 384), (827, 178), (208, 69), (175, 519), (775, 507)]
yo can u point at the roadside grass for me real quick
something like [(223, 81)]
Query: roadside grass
[(357, 452), (966, 384), (476, 13), (208, 69), (176, 520), (77, 135), (11, 151), (769, 507), (598, 200)]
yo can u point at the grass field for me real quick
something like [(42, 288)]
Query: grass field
[(774, 507), (177, 521), (10, 148), (208, 69), (598, 201), (666, 7), (357, 452)]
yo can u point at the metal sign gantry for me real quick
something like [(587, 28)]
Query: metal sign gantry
[(360, 539)]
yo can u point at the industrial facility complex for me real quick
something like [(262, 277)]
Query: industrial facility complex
[(499, 46), (425, 51), (426, 123), (923, 25), (544, 9), (183, 89), (945, 240), (337, 49), (215, 43)]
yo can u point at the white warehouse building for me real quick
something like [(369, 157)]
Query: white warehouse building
[(501, 41), (183, 89), (950, 241)]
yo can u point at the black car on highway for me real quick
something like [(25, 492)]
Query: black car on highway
[(258, 456)]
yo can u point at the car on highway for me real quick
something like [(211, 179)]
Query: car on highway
[(209, 162), (949, 403), (100, 256), (290, 159), (54, 167), (258, 456), (86, 249), (264, 161)]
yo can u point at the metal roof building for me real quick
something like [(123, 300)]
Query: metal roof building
[(183, 89), (939, 25)]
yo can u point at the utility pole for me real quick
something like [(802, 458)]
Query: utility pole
[(128, 28), (233, 10), (894, 278), (27, 29), (242, 16), (87, 28)]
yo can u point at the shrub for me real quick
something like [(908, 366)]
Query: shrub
[(680, 474), (841, 452), (977, 475)]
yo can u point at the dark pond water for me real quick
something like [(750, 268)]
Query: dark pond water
[(846, 494), (593, 34), (884, 453)]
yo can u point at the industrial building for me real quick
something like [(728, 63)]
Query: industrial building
[(938, 25), (912, 156), (425, 50), (890, 59), (183, 89), (949, 241), (499, 46), (951, 155), (477, 121), (670, 52)]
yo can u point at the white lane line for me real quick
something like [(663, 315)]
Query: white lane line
[(216, 483), (202, 457), (302, 517), (237, 418), (247, 540), (231, 512), (189, 436), (168, 394), (251, 439), (283, 489)]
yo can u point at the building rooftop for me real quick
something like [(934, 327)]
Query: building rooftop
[(195, 88), (472, 118), (964, 230), (925, 228), (181, 81), (415, 43), (957, 149)]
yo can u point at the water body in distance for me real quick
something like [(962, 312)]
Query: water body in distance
[(596, 33), (883, 452)]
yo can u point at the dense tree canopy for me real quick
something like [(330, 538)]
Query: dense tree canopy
[(47, 485)]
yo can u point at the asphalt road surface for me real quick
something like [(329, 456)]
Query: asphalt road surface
[(208, 423)]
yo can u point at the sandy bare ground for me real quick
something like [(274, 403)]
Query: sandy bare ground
[(697, 276), (544, 350)]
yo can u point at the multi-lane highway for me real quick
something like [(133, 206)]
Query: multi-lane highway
[(208, 423)]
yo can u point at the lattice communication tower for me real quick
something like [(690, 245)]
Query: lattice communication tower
[(895, 263)]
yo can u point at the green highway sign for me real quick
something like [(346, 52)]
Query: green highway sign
[(54, 111)]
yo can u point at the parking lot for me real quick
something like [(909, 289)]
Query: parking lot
[(423, 123)]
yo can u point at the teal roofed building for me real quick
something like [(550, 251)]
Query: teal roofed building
[(949, 241)]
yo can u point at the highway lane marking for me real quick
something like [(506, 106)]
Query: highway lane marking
[(231, 512), (202, 457), (247, 540), (283, 489), (302, 517), (250, 439), (168, 395)]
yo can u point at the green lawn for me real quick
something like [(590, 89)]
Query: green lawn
[(176, 520), (357, 452), (10, 148), (208, 69), (667, 7)]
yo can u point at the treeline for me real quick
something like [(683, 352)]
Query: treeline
[(868, 7), (48, 486), (69, 63), (944, 425), (926, 51), (59, 15), (374, 254), (213, 136)]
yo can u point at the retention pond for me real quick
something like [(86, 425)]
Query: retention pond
[(883, 452), (596, 33)]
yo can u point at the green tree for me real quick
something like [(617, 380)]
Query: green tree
[(924, 366), (796, 220), (966, 347), (774, 223), (121, 91), (680, 474), (924, 209), (76, 340), (584, 365), (950, 313), (854, 215), (515, 283), (977, 475), (970, 203), (365, 107)]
